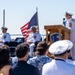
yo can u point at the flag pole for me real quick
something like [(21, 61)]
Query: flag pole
[(37, 19)]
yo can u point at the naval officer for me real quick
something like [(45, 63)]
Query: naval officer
[(33, 38), (4, 36), (70, 24), (59, 66)]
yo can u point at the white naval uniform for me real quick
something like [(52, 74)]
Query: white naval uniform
[(4, 37), (72, 35), (58, 67), (70, 61), (31, 39)]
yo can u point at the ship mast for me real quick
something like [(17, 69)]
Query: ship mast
[(3, 17)]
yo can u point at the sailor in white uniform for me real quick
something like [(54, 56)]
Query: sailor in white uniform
[(70, 24), (70, 61), (59, 66), (4, 36), (33, 37)]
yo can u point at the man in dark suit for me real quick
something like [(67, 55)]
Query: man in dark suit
[(22, 68)]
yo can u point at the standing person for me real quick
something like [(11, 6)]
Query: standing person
[(70, 24), (59, 66), (22, 68), (4, 36), (4, 60), (33, 38), (41, 58)]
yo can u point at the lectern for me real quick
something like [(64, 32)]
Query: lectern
[(61, 30)]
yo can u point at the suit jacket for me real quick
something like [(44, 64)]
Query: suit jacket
[(22, 68)]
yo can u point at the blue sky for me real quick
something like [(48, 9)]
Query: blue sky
[(19, 12)]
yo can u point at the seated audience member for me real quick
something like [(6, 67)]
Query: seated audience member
[(14, 60), (33, 38), (41, 58), (59, 66), (4, 60), (22, 68)]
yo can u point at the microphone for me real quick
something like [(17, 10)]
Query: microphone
[(64, 22)]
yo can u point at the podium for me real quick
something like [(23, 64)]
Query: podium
[(63, 32)]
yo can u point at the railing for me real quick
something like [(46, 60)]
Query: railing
[(13, 36)]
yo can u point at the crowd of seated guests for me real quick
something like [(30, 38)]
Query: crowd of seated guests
[(22, 63), (22, 57)]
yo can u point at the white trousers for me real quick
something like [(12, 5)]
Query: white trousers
[(31, 49), (72, 38)]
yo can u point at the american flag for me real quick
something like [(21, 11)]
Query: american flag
[(25, 29)]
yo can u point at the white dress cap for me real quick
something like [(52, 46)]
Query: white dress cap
[(68, 12), (32, 27), (4, 28), (70, 44), (58, 47)]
